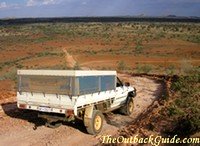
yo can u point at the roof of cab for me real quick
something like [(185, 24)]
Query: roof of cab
[(66, 72)]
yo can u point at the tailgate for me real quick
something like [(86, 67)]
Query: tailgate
[(45, 92)]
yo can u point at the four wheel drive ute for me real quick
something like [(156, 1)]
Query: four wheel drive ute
[(65, 95)]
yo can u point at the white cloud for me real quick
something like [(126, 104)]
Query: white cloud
[(42, 2), (3, 5), (30, 3), (48, 2)]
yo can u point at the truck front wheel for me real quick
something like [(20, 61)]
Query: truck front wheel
[(94, 125), (127, 109)]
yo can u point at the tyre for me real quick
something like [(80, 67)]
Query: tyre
[(95, 124), (127, 109)]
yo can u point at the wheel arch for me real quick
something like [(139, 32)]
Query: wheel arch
[(131, 94)]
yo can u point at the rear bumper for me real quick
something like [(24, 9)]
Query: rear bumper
[(42, 108)]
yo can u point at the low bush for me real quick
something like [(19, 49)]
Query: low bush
[(76, 66), (143, 68), (121, 65), (170, 70), (185, 110)]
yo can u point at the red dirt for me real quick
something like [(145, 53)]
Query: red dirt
[(156, 52), (43, 62), (112, 60)]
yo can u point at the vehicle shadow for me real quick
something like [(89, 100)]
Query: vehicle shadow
[(10, 109), (77, 124)]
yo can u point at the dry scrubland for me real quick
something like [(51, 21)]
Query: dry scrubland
[(161, 48), (153, 48)]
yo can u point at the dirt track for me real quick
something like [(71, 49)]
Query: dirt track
[(69, 58), (17, 126)]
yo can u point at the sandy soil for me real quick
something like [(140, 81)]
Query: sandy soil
[(17, 127)]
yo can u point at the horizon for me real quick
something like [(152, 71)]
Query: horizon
[(94, 8), (125, 16)]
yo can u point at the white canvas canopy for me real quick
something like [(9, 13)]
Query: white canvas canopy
[(70, 82)]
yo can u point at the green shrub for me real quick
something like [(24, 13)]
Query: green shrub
[(143, 68), (138, 49), (170, 70), (121, 65), (76, 66), (186, 67), (11, 75), (19, 66), (173, 110), (46, 53), (185, 85), (185, 110)]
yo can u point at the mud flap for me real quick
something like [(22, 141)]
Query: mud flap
[(88, 115)]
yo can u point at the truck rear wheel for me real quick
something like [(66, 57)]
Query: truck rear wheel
[(127, 109), (95, 124)]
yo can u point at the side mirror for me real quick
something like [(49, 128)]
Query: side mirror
[(127, 84)]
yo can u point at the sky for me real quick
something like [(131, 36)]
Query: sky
[(71, 8)]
